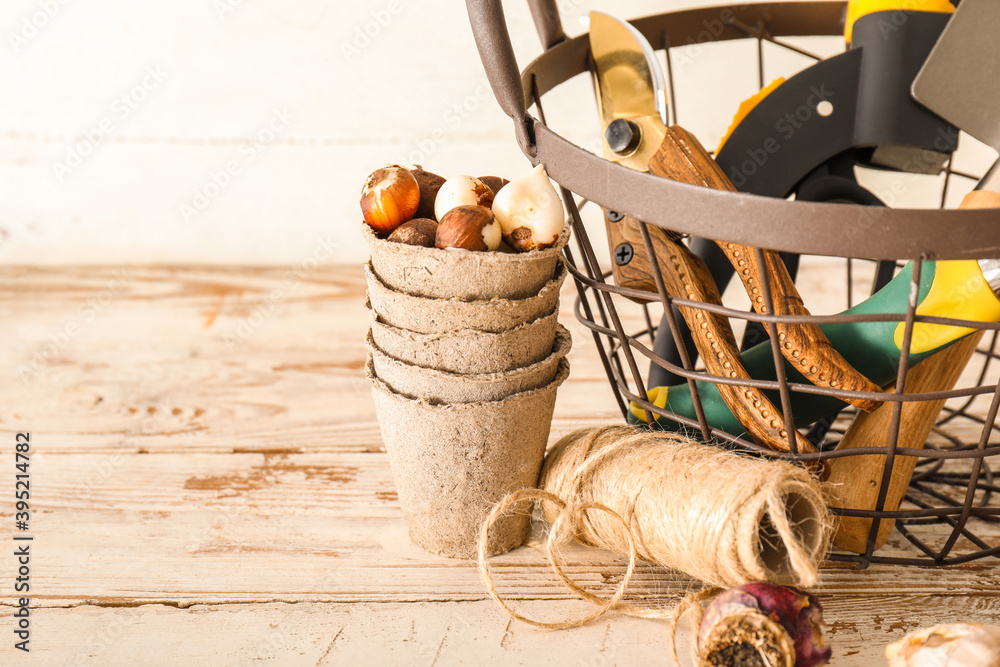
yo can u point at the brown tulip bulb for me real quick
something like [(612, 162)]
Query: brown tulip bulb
[(494, 183), (429, 184), (419, 232), (469, 228), (390, 198)]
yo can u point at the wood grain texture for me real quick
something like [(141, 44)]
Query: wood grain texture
[(216, 528), (636, 273), (424, 633), (682, 158), (854, 481), (244, 512)]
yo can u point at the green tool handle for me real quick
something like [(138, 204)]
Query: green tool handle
[(870, 347)]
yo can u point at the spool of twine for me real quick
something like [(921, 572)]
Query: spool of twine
[(721, 517)]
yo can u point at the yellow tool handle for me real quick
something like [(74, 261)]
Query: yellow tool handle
[(858, 8), (959, 291)]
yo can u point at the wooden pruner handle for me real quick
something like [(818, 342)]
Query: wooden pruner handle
[(681, 157), (685, 276)]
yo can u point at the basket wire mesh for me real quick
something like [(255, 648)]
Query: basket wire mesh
[(950, 513)]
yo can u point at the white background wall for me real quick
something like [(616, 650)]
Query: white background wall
[(119, 119)]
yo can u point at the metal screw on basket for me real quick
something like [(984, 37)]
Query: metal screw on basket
[(624, 254), (615, 216)]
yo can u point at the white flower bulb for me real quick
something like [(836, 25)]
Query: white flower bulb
[(461, 191), (529, 211)]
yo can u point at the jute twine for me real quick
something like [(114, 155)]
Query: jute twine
[(720, 517)]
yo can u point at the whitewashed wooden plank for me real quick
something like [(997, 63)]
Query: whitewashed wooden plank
[(135, 358), (114, 361), (278, 491), (451, 633), (196, 528), (333, 634)]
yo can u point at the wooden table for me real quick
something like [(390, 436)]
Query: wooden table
[(209, 487)]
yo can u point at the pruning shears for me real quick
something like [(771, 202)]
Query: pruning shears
[(632, 102)]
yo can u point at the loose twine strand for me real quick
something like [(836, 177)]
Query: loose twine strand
[(689, 604), (720, 517)]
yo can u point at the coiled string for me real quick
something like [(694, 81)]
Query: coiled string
[(721, 517)]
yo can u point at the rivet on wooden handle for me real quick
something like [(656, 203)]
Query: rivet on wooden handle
[(629, 261), (682, 158)]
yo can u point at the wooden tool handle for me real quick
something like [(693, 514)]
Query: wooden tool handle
[(681, 157), (805, 346), (855, 480), (629, 261), (686, 276)]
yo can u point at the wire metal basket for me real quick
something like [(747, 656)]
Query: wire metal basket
[(951, 511)]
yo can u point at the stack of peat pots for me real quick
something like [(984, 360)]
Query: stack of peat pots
[(465, 359)]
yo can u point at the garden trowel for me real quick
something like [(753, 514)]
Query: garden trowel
[(951, 82)]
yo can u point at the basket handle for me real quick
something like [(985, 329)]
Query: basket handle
[(489, 27), (547, 23)]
